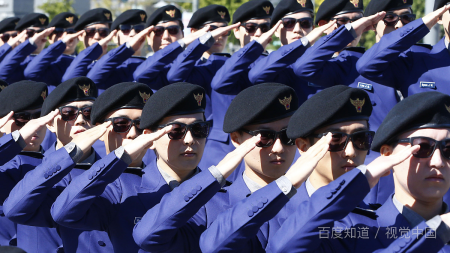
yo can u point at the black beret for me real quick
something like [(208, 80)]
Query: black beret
[(64, 20), (286, 7), (32, 20), (253, 9), (173, 99), (129, 17), (386, 5), (164, 14), (422, 110), (3, 85), (75, 89), (260, 104), (118, 96), (8, 24), (439, 4), (15, 99), (209, 14), (332, 105), (94, 16), (330, 8)]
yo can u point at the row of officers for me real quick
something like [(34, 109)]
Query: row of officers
[(106, 176)]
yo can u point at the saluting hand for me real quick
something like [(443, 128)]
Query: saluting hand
[(34, 125), (230, 162), (188, 39), (266, 37), (318, 31), (86, 139), (138, 39), (69, 37), (432, 18), (304, 166), (223, 30), (104, 42), (5, 120), (20, 37), (383, 164), (367, 23), (39, 38)]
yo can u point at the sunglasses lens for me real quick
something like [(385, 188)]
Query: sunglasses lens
[(158, 30), (251, 28), (68, 113), (138, 28), (173, 30), (267, 138), (90, 32), (445, 150), (126, 29), (200, 130), (363, 140), (121, 125), (289, 22), (103, 32), (390, 20), (264, 27), (178, 131), (426, 147), (338, 141), (70, 31), (306, 24), (30, 33), (408, 18), (284, 138), (36, 115), (86, 111), (5, 37), (20, 119)]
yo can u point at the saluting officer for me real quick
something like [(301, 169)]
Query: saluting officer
[(51, 64), (412, 72), (7, 35), (30, 201), (413, 142), (32, 43), (119, 64), (96, 25)]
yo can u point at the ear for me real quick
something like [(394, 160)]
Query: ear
[(322, 22), (193, 30), (386, 150), (235, 139), (302, 144)]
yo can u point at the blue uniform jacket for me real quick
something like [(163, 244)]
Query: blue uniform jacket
[(4, 50), (14, 64), (117, 66), (31, 199), (190, 67), (84, 62), (49, 66), (8, 148), (410, 72), (332, 207), (153, 71), (103, 198)]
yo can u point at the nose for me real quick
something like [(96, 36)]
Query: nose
[(258, 32), (399, 24), (80, 121), (297, 28), (132, 133), (97, 36), (166, 35), (349, 151), (188, 139), (277, 147), (436, 160), (132, 33)]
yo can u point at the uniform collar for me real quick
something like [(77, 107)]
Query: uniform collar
[(172, 182), (251, 185), (309, 187)]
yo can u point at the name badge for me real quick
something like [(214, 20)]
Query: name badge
[(137, 220), (314, 85), (430, 85), (365, 86)]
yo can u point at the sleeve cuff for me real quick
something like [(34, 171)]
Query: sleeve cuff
[(124, 156), (286, 186), (216, 173), (127, 44), (351, 30), (305, 42), (362, 168), (31, 41), (182, 44), (74, 151), (18, 139), (442, 230), (207, 39)]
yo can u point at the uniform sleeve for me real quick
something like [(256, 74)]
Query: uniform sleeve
[(235, 69), (268, 68), (38, 68), (172, 225), (30, 200), (316, 64), (11, 62), (79, 66), (154, 67), (92, 199), (4, 50), (108, 63), (384, 62), (9, 148), (10, 174), (330, 203)]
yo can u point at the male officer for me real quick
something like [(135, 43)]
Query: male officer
[(7, 34), (14, 64), (413, 72), (119, 64), (30, 201), (96, 25), (51, 64), (412, 141), (116, 203)]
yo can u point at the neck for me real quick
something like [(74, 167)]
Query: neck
[(258, 178), (59, 144), (206, 55), (137, 53), (69, 52), (426, 208), (177, 174), (33, 148), (317, 180)]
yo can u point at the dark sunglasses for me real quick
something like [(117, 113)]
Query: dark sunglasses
[(173, 30), (214, 27), (32, 32), (21, 118), (253, 27), (126, 29), (345, 20), (102, 32), (7, 36), (124, 124), (305, 23), (69, 113), (428, 146), (268, 137), (60, 31), (361, 140), (391, 19), (198, 130)]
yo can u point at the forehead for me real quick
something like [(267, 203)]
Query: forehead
[(345, 127), (98, 26), (167, 24), (218, 23), (434, 133), (186, 119), (79, 104), (130, 113), (10, 32), (350, 15), (302, 14), (401, 11), (258, 20), (275, 125)]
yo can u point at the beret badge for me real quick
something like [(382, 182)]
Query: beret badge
[(144, 96), (404, 1), (266, 9), (142, 17), (42, 20), (107, 15), (358, 104), (302, 2), (222, 14), (199, 98), (355, 3), (85, 89), (44, 94), (70, 19), (171, 13), (286, 102)]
